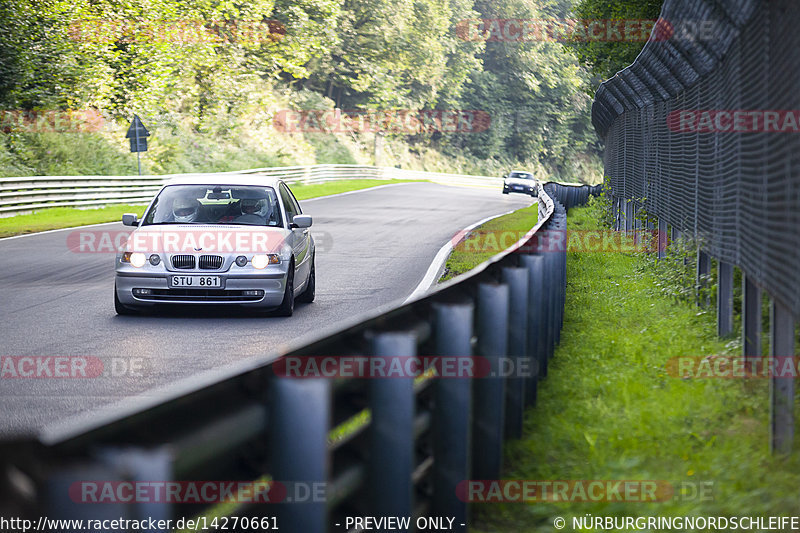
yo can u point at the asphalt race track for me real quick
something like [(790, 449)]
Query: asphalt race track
[(374, 247)]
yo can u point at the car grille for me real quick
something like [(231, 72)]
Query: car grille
[(183, 261), (210, 262), (198, 295)]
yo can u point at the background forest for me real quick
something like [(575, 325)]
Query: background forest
[(207, 77)]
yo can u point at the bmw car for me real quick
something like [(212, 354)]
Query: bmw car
[(208, 240), (520, 181)]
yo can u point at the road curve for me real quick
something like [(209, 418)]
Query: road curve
[(375, 246)]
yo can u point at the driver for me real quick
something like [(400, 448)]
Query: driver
[(185, 210), (254, 206)]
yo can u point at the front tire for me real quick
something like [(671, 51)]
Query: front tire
[(308, 294), (119, 308), (287, 305)]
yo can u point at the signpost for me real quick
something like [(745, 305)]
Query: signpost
[(138, 135)]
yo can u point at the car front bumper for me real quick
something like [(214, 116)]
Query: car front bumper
[(144, 289), (524, 189)]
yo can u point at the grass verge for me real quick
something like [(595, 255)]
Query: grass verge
[(608, 409), (489, 239), (67, 217)]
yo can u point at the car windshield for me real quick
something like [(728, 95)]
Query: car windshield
[(521, 175), (215, 204)]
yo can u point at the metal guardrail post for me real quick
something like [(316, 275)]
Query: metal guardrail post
[(781, 389), (453, 414), (299, 420), (724, 298), (61, 502), (68, 498), (517, 280), (535, 265), (550, 280), (563, 285), (392, 431), (751, 318), (489, 404)]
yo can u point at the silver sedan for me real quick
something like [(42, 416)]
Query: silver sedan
[(210, 241)]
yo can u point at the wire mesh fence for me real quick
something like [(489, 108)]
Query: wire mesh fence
[(701, 131)]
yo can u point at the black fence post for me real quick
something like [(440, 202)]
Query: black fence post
[(724, 298), (751, 318), (703, 269), (662, 238), (781, 390)]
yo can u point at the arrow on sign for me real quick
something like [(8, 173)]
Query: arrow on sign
[(138, 135)]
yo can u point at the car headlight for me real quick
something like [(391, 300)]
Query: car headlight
[(137, 259), (262, 260)]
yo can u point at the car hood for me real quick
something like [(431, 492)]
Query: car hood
[(206, 238)]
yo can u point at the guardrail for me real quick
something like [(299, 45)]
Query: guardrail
[(397, 446), (19, 195)]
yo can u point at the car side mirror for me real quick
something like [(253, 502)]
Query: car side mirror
[(301, 221), (505, 176), (130, 219)]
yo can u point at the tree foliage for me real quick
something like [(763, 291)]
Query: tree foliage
[(606, 58), (193, 60)]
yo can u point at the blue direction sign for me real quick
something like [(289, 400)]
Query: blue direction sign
[(138, 135)]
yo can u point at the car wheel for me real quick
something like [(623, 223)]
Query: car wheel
[(311, 287), (287, 305), (119, 308), (505, 191)]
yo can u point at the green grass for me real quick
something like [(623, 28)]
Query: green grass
[(609, 411), (67, 217), (63, 217), (489, 239), (303, 192)]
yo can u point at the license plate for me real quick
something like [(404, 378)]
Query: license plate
[(517, 187), (196, 282)]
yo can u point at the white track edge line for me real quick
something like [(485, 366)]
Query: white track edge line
[(432, 275)]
